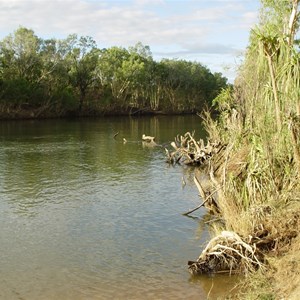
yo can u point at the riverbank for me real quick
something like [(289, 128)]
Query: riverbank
[(259, 200), (281, 279), (258, 239), (257, 175), (27, 112)]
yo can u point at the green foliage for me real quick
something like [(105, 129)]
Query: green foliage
[(225, 100), (16, 91), (19, 55), (258, 120), (82, 60), (73, 74)]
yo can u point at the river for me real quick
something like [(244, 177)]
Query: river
[(86, 216)]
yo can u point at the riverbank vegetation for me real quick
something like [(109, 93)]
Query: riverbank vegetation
[(52, 77), (257, 172)]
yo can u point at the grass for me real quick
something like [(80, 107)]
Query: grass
[(259, 170)]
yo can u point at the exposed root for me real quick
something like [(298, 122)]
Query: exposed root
[(227, 252), (188, 151)]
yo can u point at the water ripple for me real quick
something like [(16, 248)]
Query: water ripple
[(84, 216)]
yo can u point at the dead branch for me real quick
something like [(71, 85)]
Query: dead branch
[(115, 135), (189, 151), (148, 138), (199, 206)]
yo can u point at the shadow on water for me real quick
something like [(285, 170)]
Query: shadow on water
[(217, 286)]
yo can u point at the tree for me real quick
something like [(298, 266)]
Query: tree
[(21, 67), (83, 58), (72, 74), (19, 54), (111, 74)]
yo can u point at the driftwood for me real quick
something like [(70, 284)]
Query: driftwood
[(227, 252), (148, 138), (209, 192), (188, 151), (148, 141)]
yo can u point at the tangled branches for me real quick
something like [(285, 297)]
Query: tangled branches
[(188, 151), (227, 252)]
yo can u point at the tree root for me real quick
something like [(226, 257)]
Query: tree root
[(227, 252), (188, 151)]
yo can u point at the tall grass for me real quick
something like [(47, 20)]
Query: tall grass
[(259, 177), (260, 124)]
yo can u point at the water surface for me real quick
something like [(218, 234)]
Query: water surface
[(86, 216)]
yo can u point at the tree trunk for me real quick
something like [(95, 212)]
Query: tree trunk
[(292, 23)]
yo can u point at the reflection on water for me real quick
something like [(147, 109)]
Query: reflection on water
[(86, 216), (217, 286)]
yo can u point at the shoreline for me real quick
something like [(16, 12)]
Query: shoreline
[(259, 239), (36, 114)]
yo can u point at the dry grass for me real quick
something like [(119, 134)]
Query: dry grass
[(288, 267), (281, 280), (257, 173)]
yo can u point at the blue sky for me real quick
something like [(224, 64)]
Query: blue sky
[(213, 32)]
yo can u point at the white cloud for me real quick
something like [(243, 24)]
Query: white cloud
[(249, 19), (148, 2), (185, 27)]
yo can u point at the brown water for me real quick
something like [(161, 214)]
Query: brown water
[(85, 216)]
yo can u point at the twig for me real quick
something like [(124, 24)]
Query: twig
[(203, 203), (199, 187), (212, 285), (115, 135), (199, 206)]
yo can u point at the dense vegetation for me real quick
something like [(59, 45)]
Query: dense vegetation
[(59, 77), (260, 125)]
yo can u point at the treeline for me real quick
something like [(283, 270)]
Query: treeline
[(73, 76)]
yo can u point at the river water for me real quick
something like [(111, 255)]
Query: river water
[(86, 216)]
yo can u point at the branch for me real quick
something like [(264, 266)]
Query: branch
[(202, 204), (199, 206)]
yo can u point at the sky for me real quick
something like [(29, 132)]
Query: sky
[(212, 32)]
